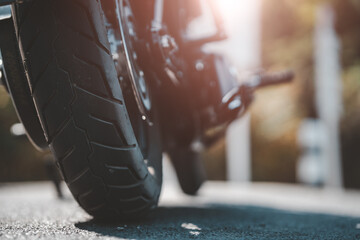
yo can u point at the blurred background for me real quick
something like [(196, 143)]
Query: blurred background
[(285, 137)]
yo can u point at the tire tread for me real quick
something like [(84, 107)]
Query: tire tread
[(69, 107)]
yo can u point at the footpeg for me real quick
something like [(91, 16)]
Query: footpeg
[(237, 101)]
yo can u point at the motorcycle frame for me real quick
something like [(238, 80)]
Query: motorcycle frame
[(204, 80)]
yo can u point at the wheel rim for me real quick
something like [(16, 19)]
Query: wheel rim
[(137, 78), (136, 92)]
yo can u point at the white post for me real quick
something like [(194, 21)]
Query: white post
[(328, 93), (242, 18)]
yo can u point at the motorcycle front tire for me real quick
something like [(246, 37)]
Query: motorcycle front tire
[(80, 104)]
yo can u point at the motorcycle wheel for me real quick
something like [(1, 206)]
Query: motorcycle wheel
[(111, 171)]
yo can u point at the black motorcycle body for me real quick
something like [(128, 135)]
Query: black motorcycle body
[(109, 85)]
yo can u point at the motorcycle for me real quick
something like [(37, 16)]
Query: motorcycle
[(109, 85)]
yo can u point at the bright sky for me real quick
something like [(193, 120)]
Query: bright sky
[(237, 10), (228, 7), (242, 22)]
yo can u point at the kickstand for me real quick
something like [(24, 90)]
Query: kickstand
[(53, 174)]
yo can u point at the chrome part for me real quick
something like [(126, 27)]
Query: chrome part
[(158, 15), (172, 76), (168, 43), (199, 65), (235, 104), (2, 72)]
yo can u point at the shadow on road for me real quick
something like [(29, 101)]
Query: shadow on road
[(230, 222)]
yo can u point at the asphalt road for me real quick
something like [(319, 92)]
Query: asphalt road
[(222, 211)]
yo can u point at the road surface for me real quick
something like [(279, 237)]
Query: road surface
[(222, 211)]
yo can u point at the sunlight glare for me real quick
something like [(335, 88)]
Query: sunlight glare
[(236, 9), (227, 7)]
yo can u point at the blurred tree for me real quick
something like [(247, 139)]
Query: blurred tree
[(287, 43), (288, 27), (348, 19)]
